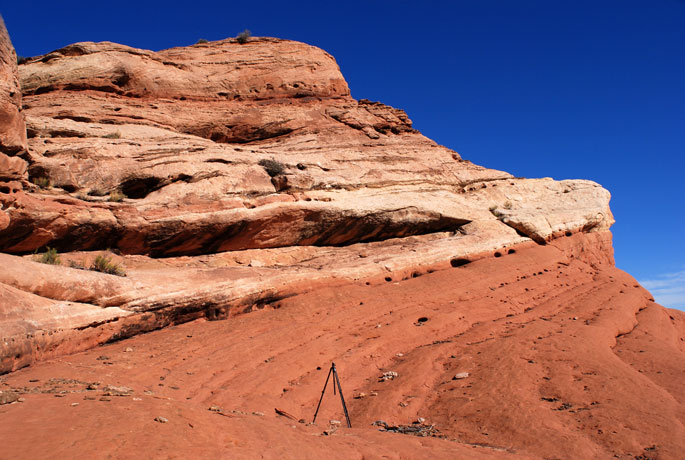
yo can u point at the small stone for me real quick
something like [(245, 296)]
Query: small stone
[(461, 375), (34, 380), (21, 399), (89, 398), (378, 326), (373, 393), (102, 358), (60, 395), (403, 404), (390, 375), (137, 399), (399, 355), (105, 398), (334, 422), (128, 350), (111, 390), (360, 396), (420, 420), (161, 419), (74, 404), (258, 414), (215, 409)]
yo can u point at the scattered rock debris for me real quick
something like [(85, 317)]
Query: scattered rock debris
[(111, 390), (415, 429), (7, 397), (564, 406), (389, 375), (460, 376)]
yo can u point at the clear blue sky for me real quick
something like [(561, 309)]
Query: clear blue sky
[(540, 88)]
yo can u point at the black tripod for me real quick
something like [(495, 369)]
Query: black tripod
[(336, 381)]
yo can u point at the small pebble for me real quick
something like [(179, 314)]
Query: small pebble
[(161, 419), (74, 404), (461, 375)]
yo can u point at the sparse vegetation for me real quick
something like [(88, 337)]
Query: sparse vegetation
[(22, 60), (42, 182), (114, 135), (495, 212), (201, 41), (244, 36), (272, 167), (116, 196), (50, 257), (104, 264), (77, 265), (97, 192)]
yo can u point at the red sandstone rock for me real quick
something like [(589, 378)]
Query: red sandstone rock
[(12, 129), (555, 339), (226, 179)]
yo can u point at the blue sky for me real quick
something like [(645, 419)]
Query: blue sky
[(540, 88)]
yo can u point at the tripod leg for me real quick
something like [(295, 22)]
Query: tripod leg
[(322, 393), (347, 416)]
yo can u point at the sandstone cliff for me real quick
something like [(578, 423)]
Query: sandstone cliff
[(227, 178)]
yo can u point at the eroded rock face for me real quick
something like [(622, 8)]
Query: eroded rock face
[(12, 128), (224, 178), (223, 147), (187, 134)]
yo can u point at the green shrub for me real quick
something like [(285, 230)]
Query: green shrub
[(50, 257), (244, 36), (116, 196), (114, 135), (42, 182), (75, 264), (272, 167), (104, 264), (97, 192), (201, 41)]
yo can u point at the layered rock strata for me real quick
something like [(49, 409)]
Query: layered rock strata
[(13, 167)]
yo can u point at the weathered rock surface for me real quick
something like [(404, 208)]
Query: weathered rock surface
[(13, 169), (567, 358), (226, 178), (12, 128)]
